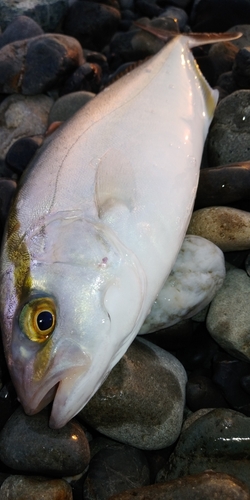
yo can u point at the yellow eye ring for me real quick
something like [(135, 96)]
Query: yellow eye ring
[(37, 319)]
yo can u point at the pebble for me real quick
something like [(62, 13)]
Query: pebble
[(177, 14), (229, 135), (219, 15), (92, 24), (226, 227), (223, 185), (141, 402), (174, 337), (197, 356), (21, 28), (222, 56), (22, 116), (226, 85), (28, 444), (47, 14), (218, 441), (244, 40), (67, 105), (86, 77), (7, 191), (129, 470), (207, 485), (241, 68), (21, 153), (197, 275), (228, 318), (35, 488)]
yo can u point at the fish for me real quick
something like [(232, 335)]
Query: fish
[(96, 226)]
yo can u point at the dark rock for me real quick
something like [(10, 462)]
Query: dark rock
[(229, 136), (27, 443), (241, 68), (205, 486), (21, 28), (226, 84), (219, 15), (244, 40), (218, 441), (174, 337), (87, 77), (177, 14), (35, 488), (22, 152), (66, 106), (141, 401), (222, 56), (148, 9), (114, 469), (201, 392), (47, 14), (7, 191), (223, 185), (93, 24), (200, 351), (8, 403)]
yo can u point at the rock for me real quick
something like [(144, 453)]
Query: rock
[(219, 15), (244, 40), (197, 275), (27, 443), (174, 337), (141, 402), (177, 14), (35, 488), (205, 486), (241, 68), (22, 116), (7, 191), (218, 441), (114, 469), (87, 78), (223, 185), (46, 13), (21, 28), (66, 106), (229, 135), (34, 65), (228, 319), (226, 227), (21, 153), (93, 24), (226, 85), (222, 56), (8, 402), (201, 392), (200, 351)]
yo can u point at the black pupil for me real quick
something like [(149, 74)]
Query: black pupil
[(44, 321)]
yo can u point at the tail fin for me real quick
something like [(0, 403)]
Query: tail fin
[(193, 39)]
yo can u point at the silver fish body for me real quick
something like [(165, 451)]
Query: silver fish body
[(96, 227)]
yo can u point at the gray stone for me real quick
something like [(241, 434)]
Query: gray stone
[(228, 319), (21, 28), (222, 56), (241, 68), (68, 105), (141, 402), (35, 488), (244, 40), (229, 136), (217, 441), (27, 443), (22, 116), (47, 13)]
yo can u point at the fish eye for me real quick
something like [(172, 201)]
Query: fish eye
[(37, 319)]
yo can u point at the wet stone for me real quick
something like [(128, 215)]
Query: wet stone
[(35, 488), (223, 185), (229, 135), (205, 486), (218, 441), (27, 443), (47, 14), (226, 227), (141, 402), (228, 319), (114, 469), (92, 24)]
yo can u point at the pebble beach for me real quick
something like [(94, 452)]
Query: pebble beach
[(172, 420)]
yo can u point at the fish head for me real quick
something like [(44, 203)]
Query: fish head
[(71, 304)]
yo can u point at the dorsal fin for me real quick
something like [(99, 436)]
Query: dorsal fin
[(193, 39)]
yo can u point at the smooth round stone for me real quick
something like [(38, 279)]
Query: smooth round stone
[(226, 227), (198, 354), (223, 185), (219, 15), (201, 392), (8, 403), (46, 13), (21, 28), (93, 24), (114, 469), (229, 134), (226, 85), (197, 275), (27, 443), (217, 441), (7, 191), (67, 105), (31, 488), (141, 402), (241, 68), (86, 77), (22, 152), (22, 116), (228, 319), (178, 14), (208, 485), (244, 40), (222, 55)]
